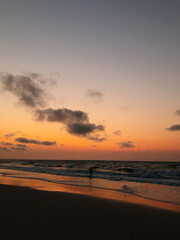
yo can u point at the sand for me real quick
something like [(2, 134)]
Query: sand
[(33, 214)]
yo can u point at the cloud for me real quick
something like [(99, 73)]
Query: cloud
[(128, 144), (8, 135), (96, 95), (18, 148), (7, 143), (11, 144), (97, 138), (33, 141), (94, 146), (117, 132), (175, 127), (21, 145), (26, 88), (62, 115), (177, 112), (76, 122), (33, 75), (84, 128)]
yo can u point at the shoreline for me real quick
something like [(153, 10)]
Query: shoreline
[(88, 191), (27, 213)]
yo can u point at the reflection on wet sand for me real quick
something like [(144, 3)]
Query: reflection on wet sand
[(85, 190)]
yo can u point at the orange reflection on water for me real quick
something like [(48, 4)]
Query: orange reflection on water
[(95, 192)]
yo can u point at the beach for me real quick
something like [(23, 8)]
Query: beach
[(28, 213)]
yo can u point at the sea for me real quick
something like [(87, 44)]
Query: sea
[(157, 181)]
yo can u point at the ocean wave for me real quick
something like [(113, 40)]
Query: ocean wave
[(103, 170)]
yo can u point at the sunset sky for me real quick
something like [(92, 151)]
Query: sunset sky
[(90, 79)]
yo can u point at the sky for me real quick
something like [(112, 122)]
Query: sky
[(90, 79)]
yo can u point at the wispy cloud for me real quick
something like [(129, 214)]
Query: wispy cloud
[(117, 132), (175, 127), (97, 138), (8, 135), (34, 141), (127, 144), (177, 112), (97, 96)]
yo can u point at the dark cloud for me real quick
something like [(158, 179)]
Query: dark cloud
[(7, 143), (77, 122), (11, 144), (34, 141), (18, 148), (21, 145), (47, 143), (117, 132), (25, 140), (177, 112), (83, 128), (26, 88), (62, 115), (128, 144), (94, 146), (96, 95), (175, 127), (30, 94)]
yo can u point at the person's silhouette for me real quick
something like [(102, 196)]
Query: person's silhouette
[(91, 172)]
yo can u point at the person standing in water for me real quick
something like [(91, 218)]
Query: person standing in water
[(91, 172)]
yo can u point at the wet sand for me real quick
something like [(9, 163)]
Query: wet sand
[(33, 214)]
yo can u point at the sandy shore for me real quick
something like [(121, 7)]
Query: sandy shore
[(31, 214)]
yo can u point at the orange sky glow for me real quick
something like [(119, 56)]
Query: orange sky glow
[(97, 81)]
